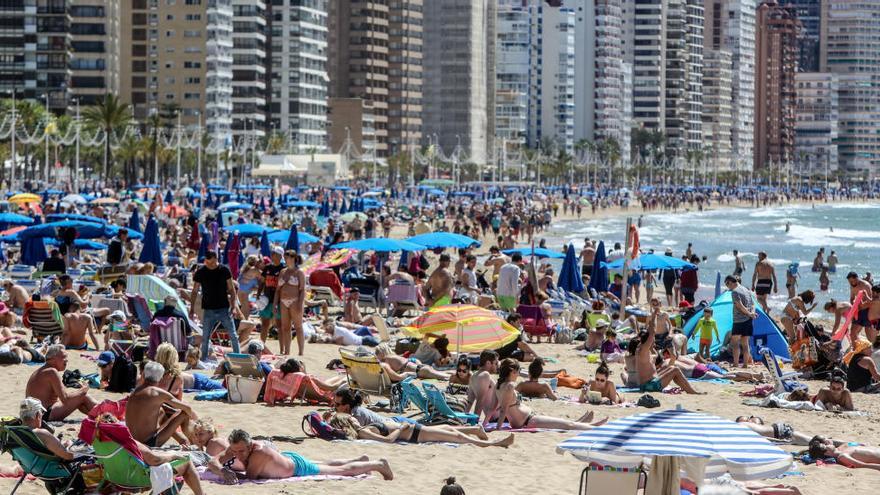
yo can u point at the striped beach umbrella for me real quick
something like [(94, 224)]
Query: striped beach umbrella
[(468, 328), (729, 447)]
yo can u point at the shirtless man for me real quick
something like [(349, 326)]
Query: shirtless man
[(45, 385), (290, 298), (777, 431), (588, 253), (254, 459), (764, 280), (692, 368), (851, 456), (739, 264), (76, 325), (835, 397), (495, 260), (862, 319), (18, 296), (438, 288), (650, 378), (146, 415), (400, 274), (399, 367), (481, 396)]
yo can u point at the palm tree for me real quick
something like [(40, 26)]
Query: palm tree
[(154, 122), (110, 113)]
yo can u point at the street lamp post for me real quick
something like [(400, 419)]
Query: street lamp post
[(46, 135), (199, 150), (177, 172), (76, 160), (12, 146)]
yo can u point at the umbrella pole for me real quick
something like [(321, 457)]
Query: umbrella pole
[(459, 332), (626, 256)]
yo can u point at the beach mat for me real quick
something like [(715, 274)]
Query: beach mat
[(210, 477)]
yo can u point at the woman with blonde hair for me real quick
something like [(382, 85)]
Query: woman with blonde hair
[(176, 381)]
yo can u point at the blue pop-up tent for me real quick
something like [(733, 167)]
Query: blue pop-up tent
[(766, 333)]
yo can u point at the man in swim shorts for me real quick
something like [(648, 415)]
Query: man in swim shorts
[(253, 459), (764, 280), (440, 284), (862, 320)]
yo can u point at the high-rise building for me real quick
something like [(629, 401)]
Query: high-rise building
[(718, 107), (775, 91), (459, 74), (53, 53), (178, 62), (551, 107), (809, 12), (358, 58), (603, 105), (249, 69), (405, 33), (512, 73), (849, 49), (94, 59), (352, 123), (298, 82), (648, 52), (684, 79), (18, 49), (818, 115), (729, 25)]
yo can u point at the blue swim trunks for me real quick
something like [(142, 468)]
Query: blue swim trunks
[(301, 465), (202, 382)]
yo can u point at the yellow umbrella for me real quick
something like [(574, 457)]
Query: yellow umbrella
[(468, 328), (105, 201), (25, 198)]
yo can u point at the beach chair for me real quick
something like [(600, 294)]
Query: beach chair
[(602, 480), (43, 318), (370, 292), (37, 460), (116, 451), (411, 394), (167, 330), (243, 365), (364, 372), (109, 273), (784, 382), (20, 272), (402, 297), (111, 303), (534, 322), (325, 286), (440, 408)]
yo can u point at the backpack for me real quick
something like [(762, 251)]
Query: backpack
[(123, 375), (563, 335), (314, 426)]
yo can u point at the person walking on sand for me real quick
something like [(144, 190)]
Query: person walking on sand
[(764, 280), (743, 316)]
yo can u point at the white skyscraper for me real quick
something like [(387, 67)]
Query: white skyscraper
[(817, 128), (298, 78), (512, 73), (218, 77), (249, 68)]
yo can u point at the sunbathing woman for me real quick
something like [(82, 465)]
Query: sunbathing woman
[(204, 438), (602, 384), (520, 416), (461, 379), (398, 367), (291, 380), (390, 432), (839, 310), (533, 388), (691, 368)]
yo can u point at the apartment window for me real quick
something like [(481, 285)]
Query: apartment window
[(192, 34), (138, 66), (139, 34), (192, 65), (138, 50), (137, 98), (194, 17), (170, 2), (139, 82), (191, 96), (169, 80), (169, 65), (193, 80), (138, 19), (169, 17), (192, 49), (193, 2), (169, 96), (169, 33)]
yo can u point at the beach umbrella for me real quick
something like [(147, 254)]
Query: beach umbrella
[(468, 328), (74, 199), (22, 198), (654, 262), (247, 229), (726, 446), (58, 217), (169, 198), (220, 221), (45, 197), (234, 205), (350, 216), (380, 245), (282, 236), (265, 248), (134, 221), (599, 273), (570, 273), (113, 230), (105, 201), (292, 239), (203, 247), (233, 251), (151, 252), (14, 219), (186, 191), (325, 209), (301, 204), (539, 252), (33, 251), (433, 240), (84, 230), (53, 191), (79, 244), (343, 209)]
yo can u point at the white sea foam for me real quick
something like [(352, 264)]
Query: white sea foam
[(818, 237)]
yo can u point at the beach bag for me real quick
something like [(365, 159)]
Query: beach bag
[(804, 352), (314, 426), (243, 389), (397, 399), (123, 375), (563, 335)]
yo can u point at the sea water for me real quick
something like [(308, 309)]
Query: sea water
[(851, 230)]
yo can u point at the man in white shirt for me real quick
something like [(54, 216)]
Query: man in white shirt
[(509, 283), (468, 279)]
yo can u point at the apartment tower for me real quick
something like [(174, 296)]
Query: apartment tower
[(249, 69), (405, 81)]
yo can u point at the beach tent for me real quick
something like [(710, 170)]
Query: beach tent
[(766, 332)]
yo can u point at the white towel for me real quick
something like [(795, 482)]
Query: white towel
[(161, 478)]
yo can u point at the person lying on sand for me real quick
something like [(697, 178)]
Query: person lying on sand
[(152, 414), (392, 431), (205, 438), (398, 367), (511, 408), (45, 385), (254, 459), (851, 456), (691, 368), (603, 384), (835, 397), (777, 431)]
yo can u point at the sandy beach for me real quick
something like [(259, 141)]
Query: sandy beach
[(531, 465)]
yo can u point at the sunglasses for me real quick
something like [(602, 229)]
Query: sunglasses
[(461, 370), (600, 380)]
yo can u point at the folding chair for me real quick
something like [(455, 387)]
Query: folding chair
[(364, 372), (111, 303), (370, 292), (167, 331), (37, 460), (534, 322), (402, 297), (602, 480), (784, 382), (121, 340), (44, 319), (107, 274), (325, 286), (439, 407)]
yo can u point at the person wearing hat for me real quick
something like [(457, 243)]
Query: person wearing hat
[(76, 324), (31, 413), (105, 365), (861, 375)]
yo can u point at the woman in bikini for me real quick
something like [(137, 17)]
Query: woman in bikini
[(795, 310), (176, 381), (392, 431), (512, 409), (290, 297), (602, 384), (398, 367), (291, 380)]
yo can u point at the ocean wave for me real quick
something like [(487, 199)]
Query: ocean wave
[(854, 206), (818, 237)]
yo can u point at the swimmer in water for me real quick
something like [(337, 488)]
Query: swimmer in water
[(787, 227)]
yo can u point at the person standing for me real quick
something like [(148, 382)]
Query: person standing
[(764, 280), (739, 264), (744, 315), (509, 283), (290, 298), (116, 248), (219, 300), (270, 314)]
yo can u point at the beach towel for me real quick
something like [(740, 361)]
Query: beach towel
[(280, 386), (212, 395), (208, 476), (720, 381), (507, 428), (563, 379)]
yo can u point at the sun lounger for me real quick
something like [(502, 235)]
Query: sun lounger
[(37, 460), (44, 319), (369, 292), (440, 408), (784, 382), (364, 371), (107, 274), (19, 272), (402, 297)]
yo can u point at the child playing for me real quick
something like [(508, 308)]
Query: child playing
[(610, 351), (706, 327)]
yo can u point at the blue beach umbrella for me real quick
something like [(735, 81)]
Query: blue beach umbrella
[(380, 245), (84, 230), (570, 273), (33, 251), (220, 221), (265, 248), (58, 217), (282, 236), (342, 208), (599, 274), (717, 284), (134, 221), (301, 204), (247, 229), (79, 244), (325, 209), (169, 198), (539, 252), (151, 251), (15, 219), (434, 240), (654, 262), (292, 239)]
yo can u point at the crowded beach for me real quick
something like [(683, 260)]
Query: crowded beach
[(371, 340)]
